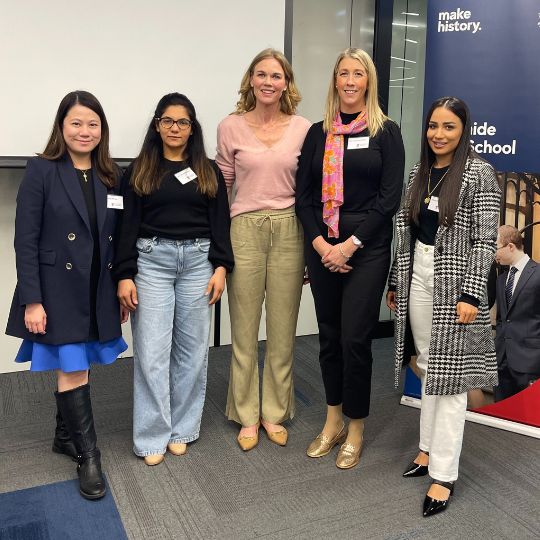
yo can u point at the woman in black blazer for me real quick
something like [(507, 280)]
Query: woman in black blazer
[(65, 306)]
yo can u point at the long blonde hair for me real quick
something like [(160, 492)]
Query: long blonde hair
[(289, 99), (375, 116)]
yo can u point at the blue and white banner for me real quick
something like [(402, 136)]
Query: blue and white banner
[(487, 52)]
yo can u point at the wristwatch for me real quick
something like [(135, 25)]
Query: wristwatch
[(357, 241)]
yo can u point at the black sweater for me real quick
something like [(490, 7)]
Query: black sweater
[(175, 211), (372, 180), (87, 187), (429, 219)]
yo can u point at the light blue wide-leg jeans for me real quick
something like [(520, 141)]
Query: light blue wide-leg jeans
[(171, 328)]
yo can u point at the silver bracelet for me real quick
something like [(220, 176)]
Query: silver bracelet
[(341, 251)]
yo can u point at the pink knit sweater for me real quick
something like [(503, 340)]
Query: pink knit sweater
[(262, 177)]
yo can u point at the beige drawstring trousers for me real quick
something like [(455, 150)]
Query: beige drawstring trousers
[(269, 268)]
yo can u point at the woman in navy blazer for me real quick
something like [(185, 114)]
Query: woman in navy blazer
[(65, 306)]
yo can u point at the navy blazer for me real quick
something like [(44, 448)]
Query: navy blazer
[(53, 246), (518, 325)]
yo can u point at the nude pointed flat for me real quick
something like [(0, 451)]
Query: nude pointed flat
[(248, 443), (279, 437)]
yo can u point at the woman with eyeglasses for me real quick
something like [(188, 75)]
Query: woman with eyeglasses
[(258, 149), (445, 246), (173, 254), (65, 306)]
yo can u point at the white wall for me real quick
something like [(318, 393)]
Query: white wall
[(9, 184), (128, 53)]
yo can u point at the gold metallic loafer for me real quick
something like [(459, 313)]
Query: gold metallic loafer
[(278, 437), (177, 449), (154, 459), (248, 443), (322, 444), (349, 455)]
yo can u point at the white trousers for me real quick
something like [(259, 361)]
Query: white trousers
[(442, 418)]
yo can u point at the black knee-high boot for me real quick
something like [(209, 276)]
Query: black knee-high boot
[(75, 407), (62, 443)]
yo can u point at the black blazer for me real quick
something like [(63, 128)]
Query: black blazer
[(53, 247), (518, 325)]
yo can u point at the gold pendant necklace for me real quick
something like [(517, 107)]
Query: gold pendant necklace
[(84, 171), (429, 190)]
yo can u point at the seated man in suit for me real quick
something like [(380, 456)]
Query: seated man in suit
[(518, 316)]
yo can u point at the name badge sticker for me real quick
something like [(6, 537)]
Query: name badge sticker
[(115, 201), (433, 204), (356, 143), (186, 175)]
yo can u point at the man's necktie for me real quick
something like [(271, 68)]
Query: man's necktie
[(510, 285)]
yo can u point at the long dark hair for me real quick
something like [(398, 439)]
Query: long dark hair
[(449, 194), (147, 174), (56, 147)]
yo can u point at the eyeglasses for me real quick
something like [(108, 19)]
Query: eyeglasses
[(167, 123), (501, 247)]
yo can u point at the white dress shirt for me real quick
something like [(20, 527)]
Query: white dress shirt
[(520, 266)]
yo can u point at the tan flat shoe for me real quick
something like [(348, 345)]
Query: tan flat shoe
[(322, 444), (154, 459), (278, 437), (349, 455), (177, 448), (248, 443)]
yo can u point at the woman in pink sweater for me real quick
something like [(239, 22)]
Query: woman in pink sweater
[(258, 149)]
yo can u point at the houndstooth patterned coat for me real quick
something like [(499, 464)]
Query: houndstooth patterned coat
[(461, 356)]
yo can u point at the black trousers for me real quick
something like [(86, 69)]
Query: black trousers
[(347, 308), (511, 382)]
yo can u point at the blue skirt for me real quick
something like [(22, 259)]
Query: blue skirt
[(71, 356)]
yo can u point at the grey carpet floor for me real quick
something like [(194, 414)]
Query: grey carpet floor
[(218, 492)]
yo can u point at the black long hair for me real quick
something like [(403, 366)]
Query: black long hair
[(449, 194), (147, 174), (56, 147)]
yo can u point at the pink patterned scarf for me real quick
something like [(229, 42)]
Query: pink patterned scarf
[(332, 180)]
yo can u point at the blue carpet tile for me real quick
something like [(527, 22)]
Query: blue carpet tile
[(57, 511)]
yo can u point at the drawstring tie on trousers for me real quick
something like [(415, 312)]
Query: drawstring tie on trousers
[(260, 223)]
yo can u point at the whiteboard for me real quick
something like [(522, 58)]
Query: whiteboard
[(128, 54)]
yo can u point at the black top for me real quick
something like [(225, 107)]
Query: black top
[(175, 211), (87, 186), (429, 219), (372, 181)]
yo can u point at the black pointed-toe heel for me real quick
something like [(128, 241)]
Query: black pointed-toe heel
[(414, 469), (434, 506)]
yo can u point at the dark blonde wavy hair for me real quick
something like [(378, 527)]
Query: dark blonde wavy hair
[(290, 97)]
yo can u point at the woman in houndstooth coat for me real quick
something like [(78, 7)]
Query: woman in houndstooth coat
[(445, 236)]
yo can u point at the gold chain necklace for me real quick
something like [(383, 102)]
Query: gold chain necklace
[(429, 190)]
